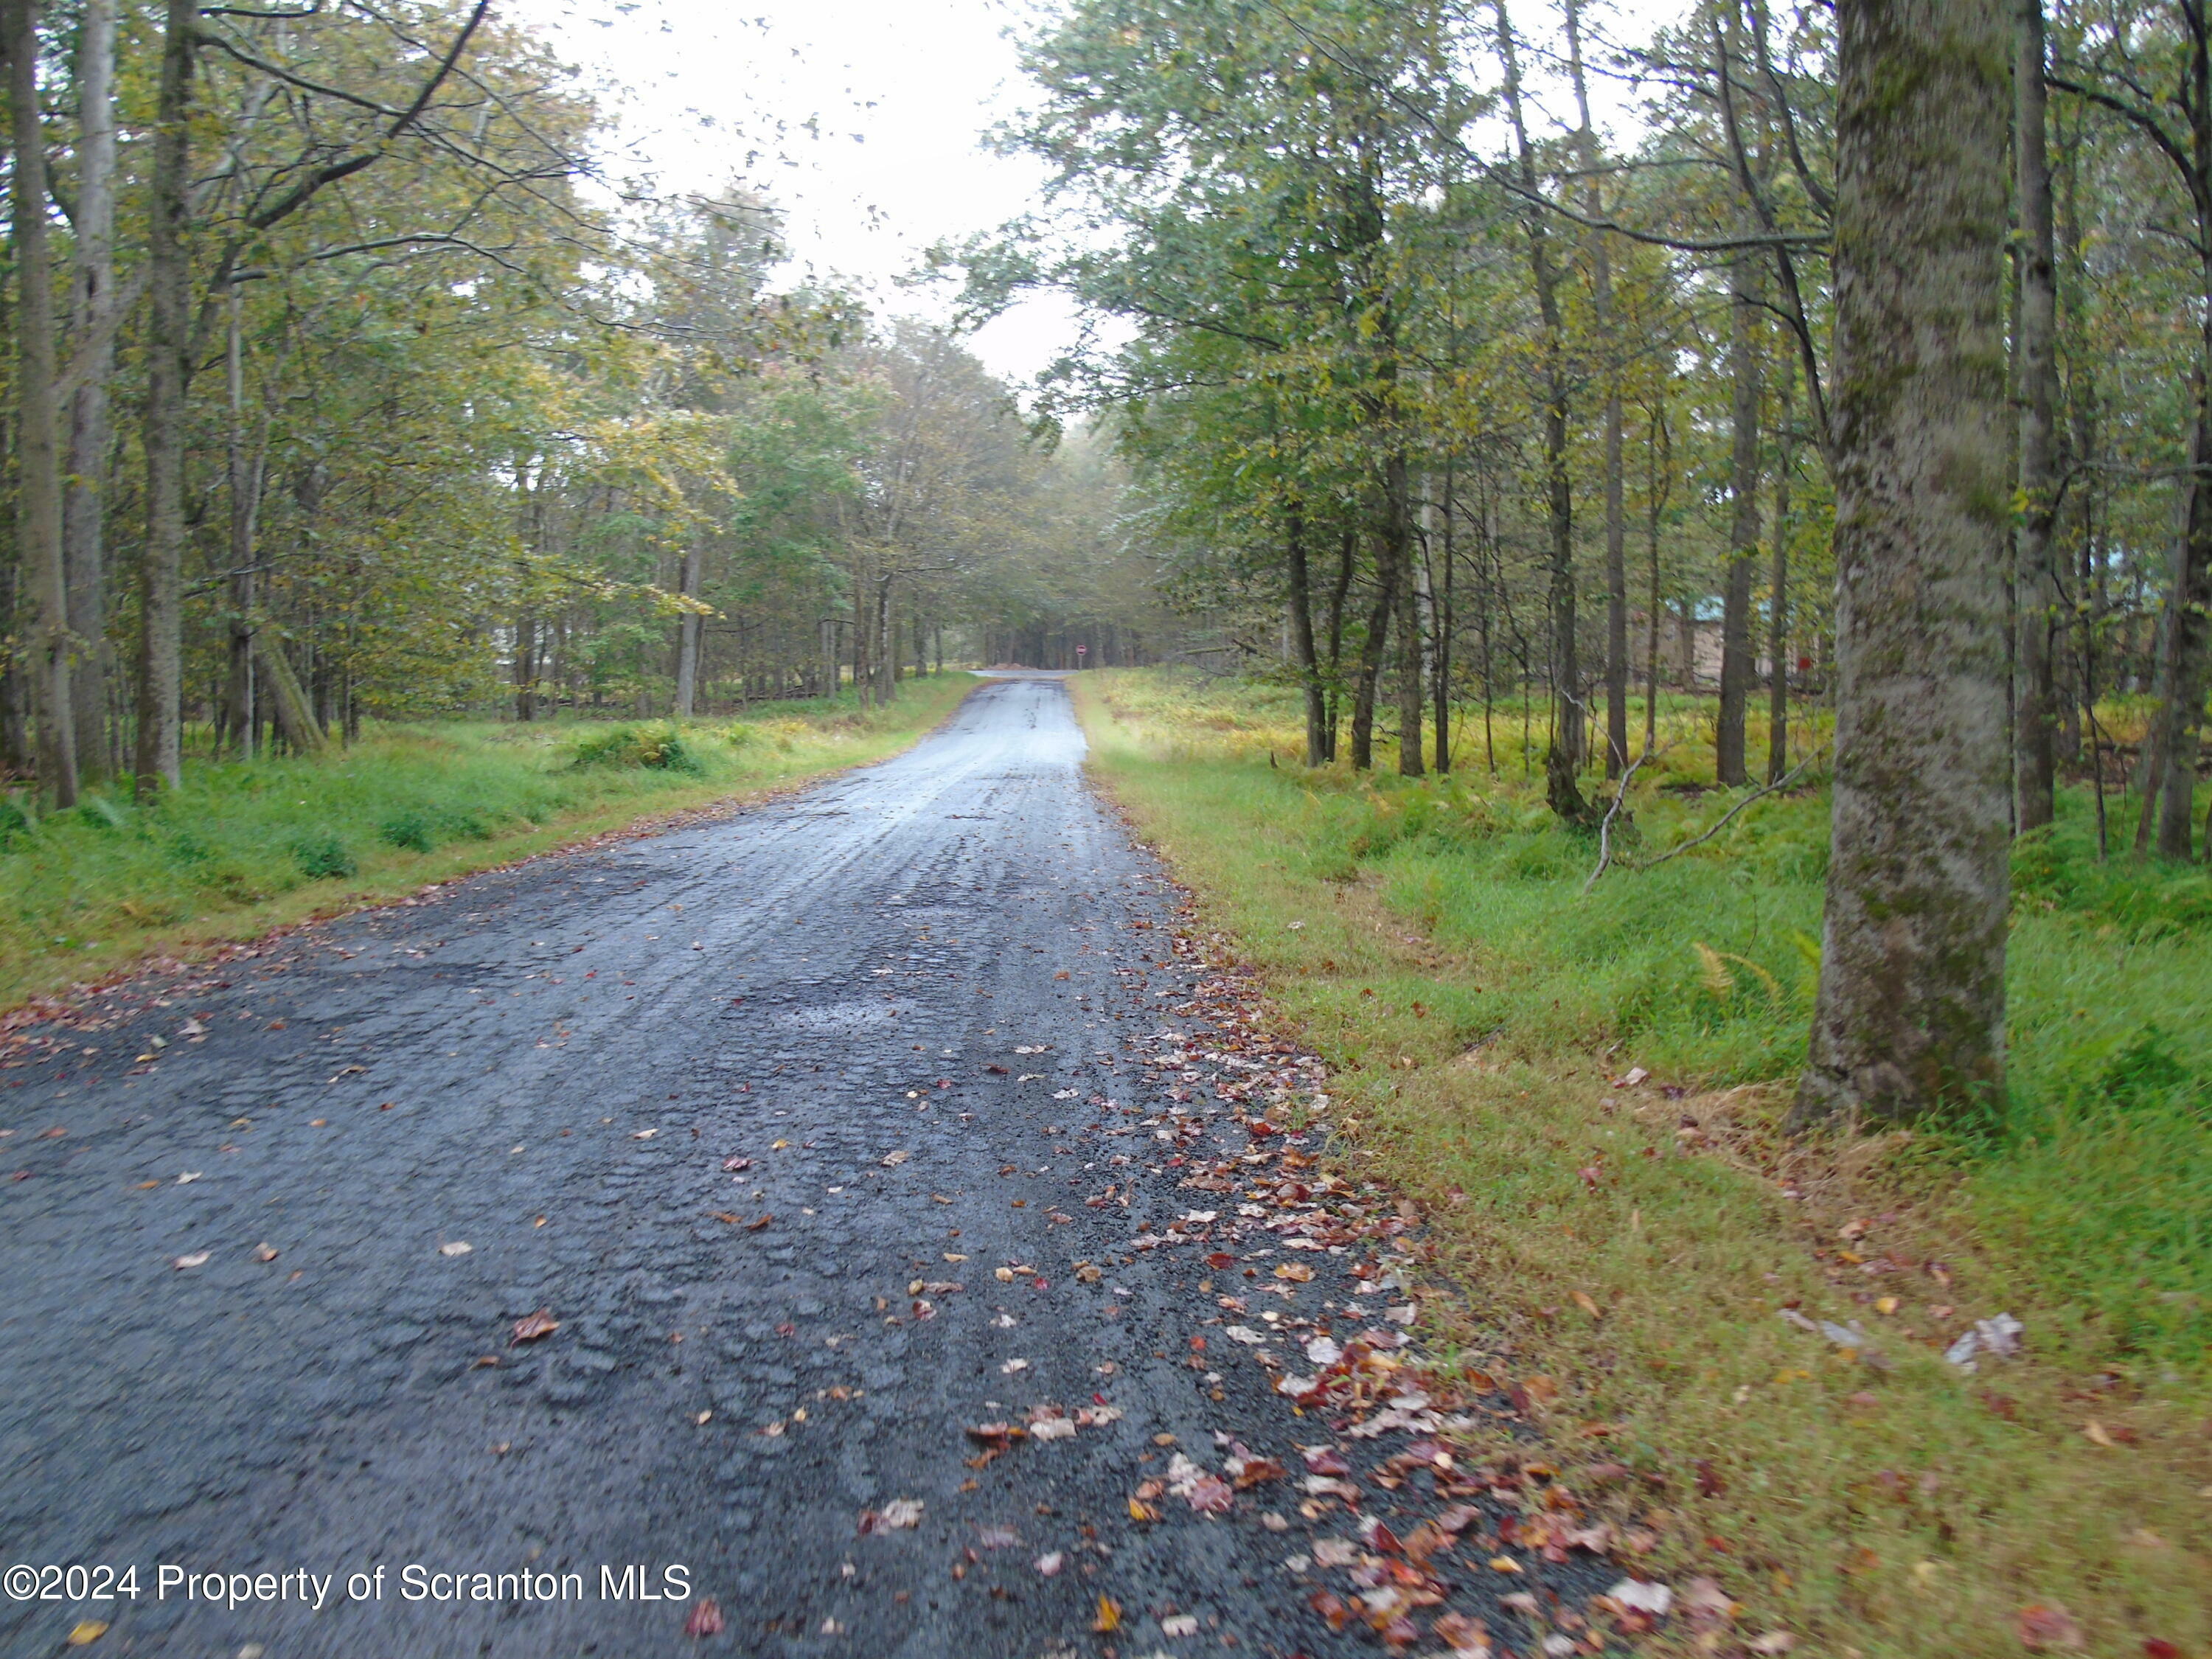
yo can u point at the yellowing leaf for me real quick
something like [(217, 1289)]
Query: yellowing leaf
[(1110, 1616)]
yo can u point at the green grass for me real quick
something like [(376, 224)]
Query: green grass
[(1434, 939), (247, 845)]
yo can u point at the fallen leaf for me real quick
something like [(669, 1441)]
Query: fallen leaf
[(1013, 1365), (1638, 1596), (734, 1163), (456, 1247), (88, 1632), (2042, 1625), (1210, 1495), (1584, 1302), (897, 1515), (1048, 1566), (1296, 1271), (892, 1160), (198, 1259), (540, 1324), (264, 1252), (755, 1226), (645, 1134), (188, 1177), (705, 1618), (1773, 1641), (1179, 1624), (1108, 1618)]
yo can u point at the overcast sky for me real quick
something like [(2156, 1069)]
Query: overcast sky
[(902, 92)]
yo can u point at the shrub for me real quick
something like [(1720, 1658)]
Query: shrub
[(660, 747), (410, 829), (322, 854)]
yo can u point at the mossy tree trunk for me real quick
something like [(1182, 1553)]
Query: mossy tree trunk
[(1910, 1013)]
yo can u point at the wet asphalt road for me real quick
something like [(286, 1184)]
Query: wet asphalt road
[(916, 997)]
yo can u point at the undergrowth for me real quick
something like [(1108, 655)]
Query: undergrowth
[(1586, 1089)]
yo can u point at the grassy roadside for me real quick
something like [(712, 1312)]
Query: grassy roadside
[(245, 846), (1626, 1252)]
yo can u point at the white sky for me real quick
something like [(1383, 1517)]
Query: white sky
[(704, 83)]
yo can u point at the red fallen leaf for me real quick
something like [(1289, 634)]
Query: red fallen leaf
[(1590, 1174), (2155, 1649), (786, 1329), (755, 1226), (1327, 1460), (705, 1618), (1211, 1495), (1400, 1632), (1220, 1259), (2042, 1625), (1330, 1607), (1384, 1541), (1259, 1128), (540, 1324), (1000, 1070), (1710, 1484), (1257, 1469), (1457, 1519)]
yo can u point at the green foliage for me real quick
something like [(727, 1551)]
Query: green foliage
[(1703, 969), (661, 747), (323, 856)]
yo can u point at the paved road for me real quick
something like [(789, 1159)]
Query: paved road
[(916, 997)]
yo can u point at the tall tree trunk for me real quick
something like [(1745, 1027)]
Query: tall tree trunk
[(1441, 625), (83, 500), (2181, 713), (1564, 756), (240, 716), (1616, 529), (1397, 528), (689, 629), (161, 674), (886, 650), (1340, 594), (1658, 485), (38, 461), (1777, 584), (1728, 745), (1301, 632), (1370, 664), (2037, 599), (1910, 1017)]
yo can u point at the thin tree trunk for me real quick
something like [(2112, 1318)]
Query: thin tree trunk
[(83, 500), (1910, 1017), (1442, 623), (242, 717), (1564, 756), (1301, 632), (1340, 593), (1398, 529), (1730, 762), (38, 461), (1616, 530), (1658, 473), (689, 629), (1777, 584), (2035, 577), (1370, 667), (160, 676)]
